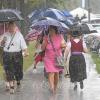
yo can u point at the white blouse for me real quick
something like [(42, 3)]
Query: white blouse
[(18, 43)]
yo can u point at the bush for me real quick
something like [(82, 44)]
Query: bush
[(96, 59)]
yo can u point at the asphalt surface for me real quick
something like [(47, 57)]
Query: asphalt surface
[(35, 87)]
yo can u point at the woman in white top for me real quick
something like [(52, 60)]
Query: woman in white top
[(14, 46)]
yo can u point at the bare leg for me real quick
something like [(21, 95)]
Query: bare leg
[(51, 81), (11, 87), (35, 65), (56, 79), (7, 86)]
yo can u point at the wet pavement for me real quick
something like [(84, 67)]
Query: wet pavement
[(35, 87)]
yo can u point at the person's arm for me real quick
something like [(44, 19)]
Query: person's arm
[(67, 50), (85, 50), (3, 39), (25, 52), (24, 46), (66, 53), (63, 43)]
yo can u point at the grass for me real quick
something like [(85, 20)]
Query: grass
[(1, 65), (27, 60), (96, 59)]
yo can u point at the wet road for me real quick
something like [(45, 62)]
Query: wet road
[(35, 87)]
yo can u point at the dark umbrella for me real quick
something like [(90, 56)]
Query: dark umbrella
[(7, 15), (40, 27), (36, 14), (67, 13), (58, 15), (87, 29), (54, 13), (46, 21), (84, 28)]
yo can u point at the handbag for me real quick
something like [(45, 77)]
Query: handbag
[(59, 60)]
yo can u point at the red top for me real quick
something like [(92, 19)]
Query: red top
[(76, 47)]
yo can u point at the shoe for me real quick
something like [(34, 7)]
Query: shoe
[(81, 85), (67, 76), (34, 70), (18, 83), (12, 90), (75, 87)]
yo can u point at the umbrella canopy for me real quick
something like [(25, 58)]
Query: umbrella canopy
[(40, 27), (87, 29), (84, 28), (7, 15), (58, 15), (54, 13), (80, 12), (33, 34), (46, 21), (67, 13), (36, 14)]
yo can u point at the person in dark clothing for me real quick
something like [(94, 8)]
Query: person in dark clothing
[(77, 65)]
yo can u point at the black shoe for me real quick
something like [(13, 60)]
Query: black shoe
[(75, 87), (81, 85), (18, 83)]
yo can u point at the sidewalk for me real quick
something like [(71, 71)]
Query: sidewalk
[(35, 87)]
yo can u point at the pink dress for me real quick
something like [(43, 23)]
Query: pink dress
[(49, 58)]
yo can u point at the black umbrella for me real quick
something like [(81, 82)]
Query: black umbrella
[(84, 28), (87, 29), (7, 15)]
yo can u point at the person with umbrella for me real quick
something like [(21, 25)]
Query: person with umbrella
[(77, 65), (14, 46), (49, 58)]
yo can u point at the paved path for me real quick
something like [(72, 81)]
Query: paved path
[(35, 87)]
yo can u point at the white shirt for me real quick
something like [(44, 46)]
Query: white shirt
[(18, 43)]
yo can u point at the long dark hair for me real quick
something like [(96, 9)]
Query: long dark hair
[(53, 27)]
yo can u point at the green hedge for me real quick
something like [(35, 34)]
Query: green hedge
[(96, 59)]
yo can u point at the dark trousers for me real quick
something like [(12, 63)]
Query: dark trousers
[(13, 65)]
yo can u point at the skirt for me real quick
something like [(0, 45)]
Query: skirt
[(77, 68), (13, 65)]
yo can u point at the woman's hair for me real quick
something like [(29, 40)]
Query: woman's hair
[(40, 39), (76, 31), (53, 27), (11, 23)]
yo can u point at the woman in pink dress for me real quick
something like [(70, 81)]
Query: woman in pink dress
[(49, 58)]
